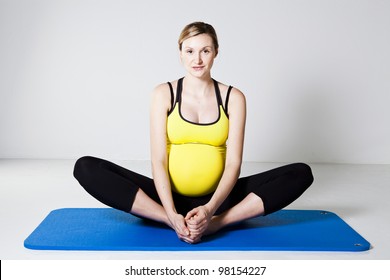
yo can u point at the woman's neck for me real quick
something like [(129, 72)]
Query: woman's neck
[(198, 86)]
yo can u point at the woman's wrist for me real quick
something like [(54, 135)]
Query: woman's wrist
[(171, 212), (210, 208)]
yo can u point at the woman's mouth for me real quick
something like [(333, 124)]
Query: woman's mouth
[(197, 68)]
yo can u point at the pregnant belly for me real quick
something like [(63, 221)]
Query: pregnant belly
[(195, 169)]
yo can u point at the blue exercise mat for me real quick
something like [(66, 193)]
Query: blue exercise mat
[(109, 229)]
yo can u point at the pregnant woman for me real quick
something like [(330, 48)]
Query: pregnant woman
[(197, 134)]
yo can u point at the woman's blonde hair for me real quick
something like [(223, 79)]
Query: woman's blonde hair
[(197, 28)]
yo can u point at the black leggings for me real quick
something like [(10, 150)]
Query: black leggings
[(116, 186)]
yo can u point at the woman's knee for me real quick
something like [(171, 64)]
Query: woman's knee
[(305, 173), (84, 167)]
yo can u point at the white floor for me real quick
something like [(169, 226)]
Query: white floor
[(30, 189)]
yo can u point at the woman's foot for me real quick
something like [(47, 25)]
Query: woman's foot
[(214, 226)]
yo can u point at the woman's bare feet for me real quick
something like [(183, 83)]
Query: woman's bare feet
[(214, 226)]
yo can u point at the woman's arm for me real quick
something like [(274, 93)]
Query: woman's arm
[(160, 105), (234, 152), (237, 117)]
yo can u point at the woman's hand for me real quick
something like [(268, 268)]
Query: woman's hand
[(178, 223), (198, 220)]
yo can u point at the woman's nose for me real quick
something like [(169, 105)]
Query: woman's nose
[(198, 58)]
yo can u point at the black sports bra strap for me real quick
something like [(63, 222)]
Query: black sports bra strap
[(179, 89), (217, 92), (227, 99), (172, 95)]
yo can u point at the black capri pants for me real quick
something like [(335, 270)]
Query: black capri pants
[(116, 186)]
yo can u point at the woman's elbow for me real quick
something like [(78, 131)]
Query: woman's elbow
[(234, 166)]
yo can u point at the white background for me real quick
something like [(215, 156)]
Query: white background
[(76, 76)]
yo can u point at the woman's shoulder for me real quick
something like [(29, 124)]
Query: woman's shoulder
[(234, 93), (162, 89), (165, 88), (161, 94)]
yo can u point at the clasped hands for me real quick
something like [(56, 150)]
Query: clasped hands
[(192, 227)]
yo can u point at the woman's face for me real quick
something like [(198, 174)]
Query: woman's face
[(197, 55)]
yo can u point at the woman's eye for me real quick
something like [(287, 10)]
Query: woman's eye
[(189, 51), (206, 51)]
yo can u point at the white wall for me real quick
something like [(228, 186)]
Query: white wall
[(76, 76)]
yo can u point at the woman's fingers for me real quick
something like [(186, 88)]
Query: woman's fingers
[(191, 228), (191, 214), (189, 239), (179, 225)]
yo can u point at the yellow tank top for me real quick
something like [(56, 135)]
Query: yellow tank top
[(196, 152)]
